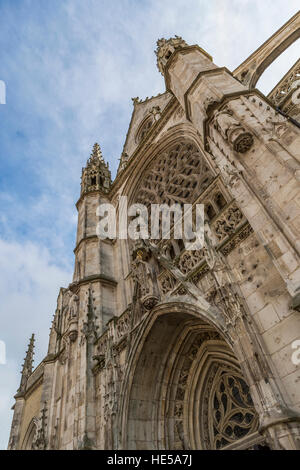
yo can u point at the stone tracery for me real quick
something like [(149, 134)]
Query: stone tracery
[(213, 407), (231, 414), (178, 175)]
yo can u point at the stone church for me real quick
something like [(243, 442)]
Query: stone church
[(153, 346)]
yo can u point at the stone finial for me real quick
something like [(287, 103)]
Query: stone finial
[(233, 131), (89, 327), (165, 48), (27, 366), (96, 155), (135, 100), (123, 161), (96, 175)]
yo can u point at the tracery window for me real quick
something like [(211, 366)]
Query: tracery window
[(210, 212), (144, 128), (230, 414), (178, 175), (233, 414)]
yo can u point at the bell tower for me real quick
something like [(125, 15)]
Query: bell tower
[(96, 175), (93, 257)]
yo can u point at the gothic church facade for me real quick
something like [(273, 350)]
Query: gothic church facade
[(153, 346)]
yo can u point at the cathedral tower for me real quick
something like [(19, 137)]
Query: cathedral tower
[(153, 345)]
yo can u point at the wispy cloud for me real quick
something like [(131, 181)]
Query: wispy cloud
[(70, 70)]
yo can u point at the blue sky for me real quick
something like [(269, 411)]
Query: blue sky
[(71, 68)]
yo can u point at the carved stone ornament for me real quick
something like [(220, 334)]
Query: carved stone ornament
[(73, 306), (232, 131), (40, 440), (228, 222), (143, 274), (73, 311), (149, 302), (73, 334), (177, 175), (165, 48)]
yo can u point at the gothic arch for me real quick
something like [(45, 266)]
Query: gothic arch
[(252, 68), (144, 128), (180, 134), (29, 435), (166, 379), (274, 54), (177, 175)]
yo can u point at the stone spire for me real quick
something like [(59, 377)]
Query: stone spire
[(165, 48), (96, 175), (96, 154), (27, 366)]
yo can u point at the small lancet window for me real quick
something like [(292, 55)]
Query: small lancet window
[(181, 244), (210, 212), (172, 252), (220, 201), (144, 128)]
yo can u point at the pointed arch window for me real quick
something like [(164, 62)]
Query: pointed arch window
[(144, 128)]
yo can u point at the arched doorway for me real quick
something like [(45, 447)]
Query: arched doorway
[(186, 390)]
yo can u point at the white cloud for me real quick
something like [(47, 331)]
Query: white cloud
[(29, 284)]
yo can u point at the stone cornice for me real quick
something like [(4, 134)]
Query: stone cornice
[(92, 237), (74, 286), (105, 195), (34, 386)]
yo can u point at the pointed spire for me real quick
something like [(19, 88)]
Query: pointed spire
[(96, 174), (28, 360), (27, 366), (96, 154)]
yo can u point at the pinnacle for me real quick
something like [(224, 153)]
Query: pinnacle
[(28, 364), (165, 48), (31, 345), (96, 153), (96, 156), (96, 174), (90, 303)]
